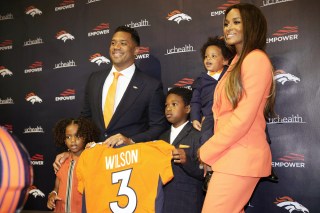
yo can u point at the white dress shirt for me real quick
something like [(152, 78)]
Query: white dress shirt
[(215, 76), (123, 82), (175, 131)]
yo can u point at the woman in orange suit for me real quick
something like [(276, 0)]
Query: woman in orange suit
[(238, 151)]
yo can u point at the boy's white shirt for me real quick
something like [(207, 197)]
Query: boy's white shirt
[(175, 131)]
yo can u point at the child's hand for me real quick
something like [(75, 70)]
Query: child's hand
[(179, 156), (90, 145), (51, 204), (197, 125)]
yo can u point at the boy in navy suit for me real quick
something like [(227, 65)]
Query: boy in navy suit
[(184, 193)]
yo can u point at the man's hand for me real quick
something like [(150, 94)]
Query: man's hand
[(179, 156), (117, 140), (197, 125), (59, 160)]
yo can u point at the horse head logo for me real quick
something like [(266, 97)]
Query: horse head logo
[(33, 11), (289, 204), (178, 16), (35, 192), (33, 98), (64, 36), (4, 71), (99, 59), (282, 77)]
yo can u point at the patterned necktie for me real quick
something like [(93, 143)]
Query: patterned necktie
[(109, 104)]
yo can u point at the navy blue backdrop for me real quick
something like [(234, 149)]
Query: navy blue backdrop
[(49, 48)]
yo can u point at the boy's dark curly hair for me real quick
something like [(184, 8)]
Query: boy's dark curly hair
[(227, 52), (184, 93), (86, 129)]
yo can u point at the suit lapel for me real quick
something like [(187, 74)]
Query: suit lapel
[(184, 132), (131, 94), (100, 84)]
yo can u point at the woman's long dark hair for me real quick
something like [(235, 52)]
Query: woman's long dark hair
[(254, 37)]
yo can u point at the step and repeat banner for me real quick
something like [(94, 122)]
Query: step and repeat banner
[(49, 48)]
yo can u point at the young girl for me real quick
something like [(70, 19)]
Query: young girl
[(72, 134), (238, 152)]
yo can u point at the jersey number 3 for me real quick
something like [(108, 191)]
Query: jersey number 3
[(124, 190)]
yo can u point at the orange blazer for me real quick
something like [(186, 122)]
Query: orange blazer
[(239, 145)]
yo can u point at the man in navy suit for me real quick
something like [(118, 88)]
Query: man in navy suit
[(139, 102)]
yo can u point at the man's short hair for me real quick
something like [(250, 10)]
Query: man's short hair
[(134, 34)]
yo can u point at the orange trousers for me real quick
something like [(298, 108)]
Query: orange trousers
[(228, 193)]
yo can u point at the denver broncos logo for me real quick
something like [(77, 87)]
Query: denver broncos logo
[(33, 98), (33, 11), (143, 50), (282, 77), (4, 71), (35, 192), (286, 30), (228, 4), (178, 16), (98, 59), (289, 204), (184, 82), (64, 36)]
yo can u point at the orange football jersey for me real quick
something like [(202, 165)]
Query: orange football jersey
[(124, 179)]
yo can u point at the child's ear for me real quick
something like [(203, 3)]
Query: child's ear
[(188, 108), (225, 62)]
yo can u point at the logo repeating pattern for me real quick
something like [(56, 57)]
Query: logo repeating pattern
[(67, 95), (35, 192), (171, 38), (37, 160), (101, 29), (5, 72), (99, 59), (292, 160), (6, 45), (64, 36), (65, 4), (287, 33), (289, 204), (178, 16), (33, 98), (35, 67), (32, 11), (282, 77)]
